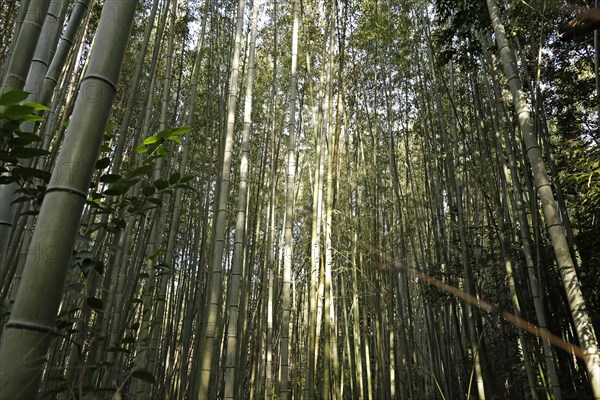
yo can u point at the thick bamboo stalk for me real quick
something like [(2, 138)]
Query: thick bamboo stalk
[(210, 328), (286, 289), (583, 325), (233, 294), (27, 334), (14, 79)]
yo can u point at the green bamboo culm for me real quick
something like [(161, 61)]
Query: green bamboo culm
[(581, 318), (14, 79), (31, 326)]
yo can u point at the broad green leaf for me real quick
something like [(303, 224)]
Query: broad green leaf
[(5, 180), (28, 152), (29, 135), (150, 140), (110, 178), (99, 267), (144, 375), (148, 190), (95, 303), (163, 267), (17, 111), (173, 179), (116, 190), (25, 138), (164, 134), (119, 223), (186, 179), (36, 106), (161, 184), (94, 204), (174, 138), (102, 163), (87, 265), (181, 130), (173, 131), (31, 118), (162, 150), (141, 170), (26, 173), (150, 159), (9, 126), (95, 196), (141, 149), (184, 186), (13, 97)]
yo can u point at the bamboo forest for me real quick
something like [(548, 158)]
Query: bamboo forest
[(299, 199)]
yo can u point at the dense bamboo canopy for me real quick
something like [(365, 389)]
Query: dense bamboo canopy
[(263, 199)]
